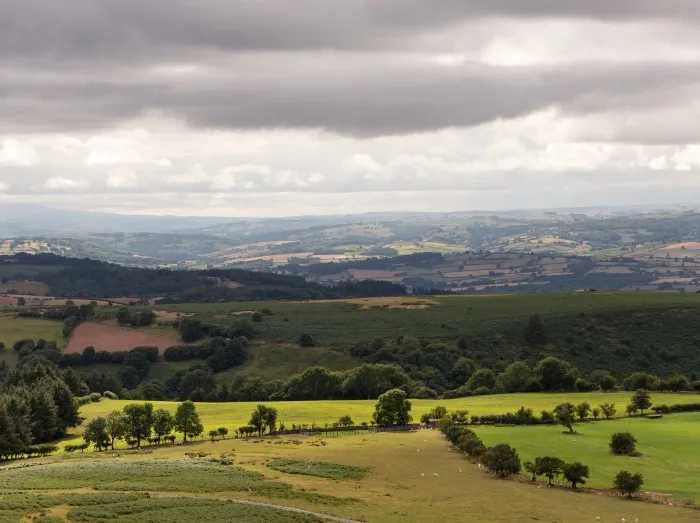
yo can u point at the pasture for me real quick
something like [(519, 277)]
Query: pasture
[(409, 477), (235, 414), (670, 461), (13, 329)]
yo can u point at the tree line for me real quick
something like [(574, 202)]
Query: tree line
[(92, 279), (37, 406)]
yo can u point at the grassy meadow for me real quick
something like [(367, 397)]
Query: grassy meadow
[(235, 414), (13, 329), (407, 477), (670, 461)]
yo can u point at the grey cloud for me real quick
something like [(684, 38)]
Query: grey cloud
[(79, 65), (359, 99), (137, 30)]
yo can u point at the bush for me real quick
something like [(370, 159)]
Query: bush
[(424, 393), (623, 444), (305, 340), (682, 407), (575, 473), (110, 395), (502, 459), (628, 483)]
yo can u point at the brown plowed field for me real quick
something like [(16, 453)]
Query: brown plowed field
[(114, 339)]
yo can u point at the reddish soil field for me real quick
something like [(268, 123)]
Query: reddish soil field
[(8, 301), (114, 339)]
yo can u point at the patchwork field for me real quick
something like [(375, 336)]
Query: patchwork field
[(409, 477)]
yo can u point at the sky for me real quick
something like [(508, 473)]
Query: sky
[(291, 107)]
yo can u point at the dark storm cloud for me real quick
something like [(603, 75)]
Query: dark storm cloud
[(138, 30), (363, 100), (84, 64)]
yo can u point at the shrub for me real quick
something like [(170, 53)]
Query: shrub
[(502, 459), (608, 383), (305, 340), (575, 473), (682, 407), (437, 412), (549, 467), (482, 391), (623, 444), (424, 393), (608, 410), (628, 483), (110, 395)]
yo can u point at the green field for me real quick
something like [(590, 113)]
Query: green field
[(670, 461), (622, 332), (235, 414), (13, 329), (410, 477), (279, 361)]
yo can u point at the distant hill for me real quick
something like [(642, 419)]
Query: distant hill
[(673, 268), (91, 279)]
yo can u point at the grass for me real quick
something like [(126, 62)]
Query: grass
[(173, 509), (279, 361), (235, 414), (414, 477), (203, 476), (13, 329), (623, 332), (136, 507), (670, 462), (269, 361), (320, 469)]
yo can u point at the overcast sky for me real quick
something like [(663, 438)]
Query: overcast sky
[(288, 107)]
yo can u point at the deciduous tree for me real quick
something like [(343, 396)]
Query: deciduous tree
[(575, 473), (641, 400), (393, 409), (187, 420), (502, 459), (139, 421), (549, 467)]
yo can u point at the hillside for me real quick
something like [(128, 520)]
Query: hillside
[(619, 332), (85, 278)]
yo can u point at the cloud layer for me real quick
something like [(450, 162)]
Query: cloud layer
[(238, 100)]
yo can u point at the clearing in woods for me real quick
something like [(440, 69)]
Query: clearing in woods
[(113, 339)]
